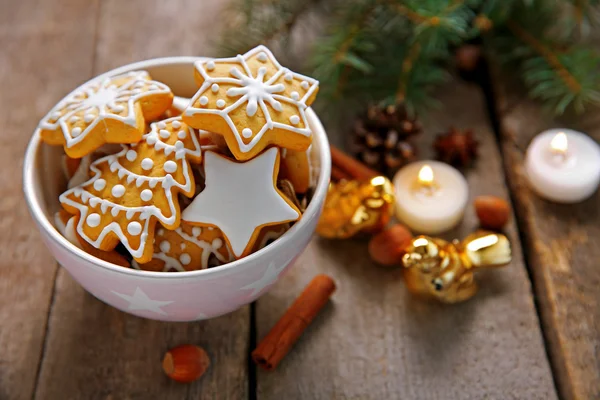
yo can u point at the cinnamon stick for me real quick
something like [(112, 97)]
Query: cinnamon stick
[(337, 174), (351, 166), (287, 330)]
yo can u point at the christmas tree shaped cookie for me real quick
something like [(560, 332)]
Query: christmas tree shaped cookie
[(187, 248), (113, 110), (134, 189), (253, 102), (241, 198)]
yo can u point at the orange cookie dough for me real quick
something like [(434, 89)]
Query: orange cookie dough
[(253, 102), (66, 223), (186, 248), (136, 188), (295, 167), (113, 110)]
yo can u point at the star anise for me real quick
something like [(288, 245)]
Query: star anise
[(456, 147)]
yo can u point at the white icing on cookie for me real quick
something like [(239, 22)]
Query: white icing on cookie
[(239, 198), (253, 92), (100, 101)]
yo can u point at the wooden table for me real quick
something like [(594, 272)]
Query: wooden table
[(532, 332)]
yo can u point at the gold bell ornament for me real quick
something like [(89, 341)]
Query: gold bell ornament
[(352, 207), (444, 270)]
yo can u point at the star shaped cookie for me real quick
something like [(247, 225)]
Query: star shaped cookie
[(253, 102), (113, 110), (240, 198)]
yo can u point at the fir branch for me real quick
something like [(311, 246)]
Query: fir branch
[(547, 54)]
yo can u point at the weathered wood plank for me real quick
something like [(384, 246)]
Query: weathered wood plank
[(46, 50), (94, 351), (562, 251), (376, 342)]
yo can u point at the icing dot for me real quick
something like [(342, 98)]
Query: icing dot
[(178, 145), (196, 231), (100, 184), (262, 70), (136, 91), (151, 139), (161, 125), (146, 195), (210, 65), (214, 88), (288, 77), (304, 85), (203, 100), (295, 95), (147, 163), (138, 84), (93, 220), (161, 232), (170, 167), (118, 190), (131, 155), (176, 124), (165, 246), (210, 228), (73, 119), (76, 132), (118, 109), (181, 134), (246, 132), (295, 120), (217, 243), (185, 258), (220, 103), (164, 133), (262, 57), (153, 87), (182, 246), (88, 118), (55, 115), (134, 228)]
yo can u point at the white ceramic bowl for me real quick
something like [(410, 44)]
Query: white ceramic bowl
[(180, 296)]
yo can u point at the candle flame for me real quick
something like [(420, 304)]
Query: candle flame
[(426, 175), (559, 143)]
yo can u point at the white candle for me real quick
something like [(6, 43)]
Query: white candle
[(430, 196), (563, 165)]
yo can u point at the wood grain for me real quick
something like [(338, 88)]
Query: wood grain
[(374, 341), (563, 252), (94, 351), (46, 50)]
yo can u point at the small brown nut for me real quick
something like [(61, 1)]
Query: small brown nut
[(387, 246), (493, 212), (185, 363)]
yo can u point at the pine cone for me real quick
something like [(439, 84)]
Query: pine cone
[(380, 138), (455, 147)]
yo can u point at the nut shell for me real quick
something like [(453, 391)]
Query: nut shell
[(185, 363), (387, 247), (493, 212)]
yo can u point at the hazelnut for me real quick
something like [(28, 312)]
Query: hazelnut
[(493, 212), (386, 247), (185, 363)]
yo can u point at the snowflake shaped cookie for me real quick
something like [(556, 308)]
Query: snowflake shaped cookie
[(113, 110), (187, 248), (241, 198), (134, 189), (253, 102)]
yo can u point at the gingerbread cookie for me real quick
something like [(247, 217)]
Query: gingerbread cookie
[(187, 248), (110, 111), (136, 188), (295, 167), (253, 102), (66, 223), (241, 198)]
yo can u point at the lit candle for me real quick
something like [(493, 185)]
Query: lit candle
[(563, 165), (430, 196)]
